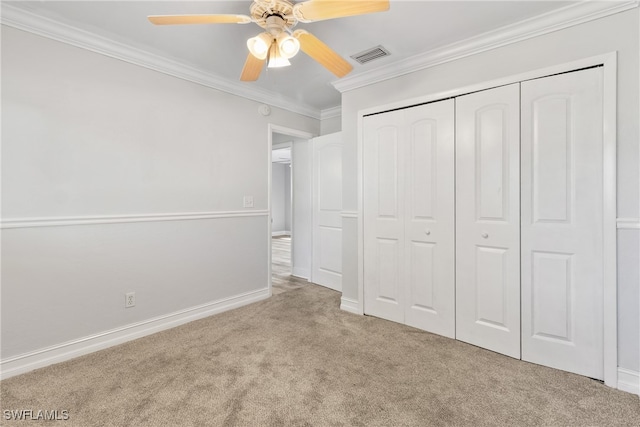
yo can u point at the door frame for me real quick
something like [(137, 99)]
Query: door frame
[(609, 63), (295, 133)]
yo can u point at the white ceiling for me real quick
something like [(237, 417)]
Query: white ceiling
[(407, 29)]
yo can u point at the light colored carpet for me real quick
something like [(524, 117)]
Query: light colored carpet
[(296, 359)]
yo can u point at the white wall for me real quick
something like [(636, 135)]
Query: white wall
[(86, 137), (302, 208), (331, 125), (281, 198), (287, 197), (278, 197), (614, 33)]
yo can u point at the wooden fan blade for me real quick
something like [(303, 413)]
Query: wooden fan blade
[(322, 53), (252, 68), (198, 19), (318, 10)]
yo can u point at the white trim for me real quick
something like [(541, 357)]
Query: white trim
[(350, 305), (554, 20), (628, 223), (301, 273), (329, 113), (502, 81), (59, 353), (24, 20), (609, 208), (282, 145), (609, 61), (349, 214), (296, 133), (360, 214), (280, 233), (629, 381), (119, 219)]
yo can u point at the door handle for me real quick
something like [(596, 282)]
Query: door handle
[(427, 232), (485, 235)]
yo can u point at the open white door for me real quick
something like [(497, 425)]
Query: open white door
[(562, 222), (327, 211), (488, 219)]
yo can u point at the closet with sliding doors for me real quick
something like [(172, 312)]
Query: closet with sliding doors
[(482, 219)]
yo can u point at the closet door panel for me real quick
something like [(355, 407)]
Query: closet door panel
[(429, 219), (384, 248), (488, 219), (562, 199)]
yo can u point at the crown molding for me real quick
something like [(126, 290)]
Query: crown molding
[(22, 19), (555, 20), (329, 113)]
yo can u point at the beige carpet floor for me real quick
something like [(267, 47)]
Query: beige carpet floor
[(297, 360)]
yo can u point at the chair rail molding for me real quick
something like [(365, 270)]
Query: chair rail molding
[(568, 16), (25, 20), (7, 223)]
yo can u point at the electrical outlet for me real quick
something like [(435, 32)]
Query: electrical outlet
[(248, 201), (130, 300)]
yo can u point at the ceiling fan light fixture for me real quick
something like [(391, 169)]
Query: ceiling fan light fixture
[(288, 46), (279, 42), (260, 44), (276, 59)]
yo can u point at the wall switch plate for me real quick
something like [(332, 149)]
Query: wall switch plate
[(248, 202), (129, 299)]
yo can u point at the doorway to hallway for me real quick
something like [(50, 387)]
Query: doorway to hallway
[(281, 278)]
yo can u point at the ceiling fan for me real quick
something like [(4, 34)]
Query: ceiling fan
[(278, 43)]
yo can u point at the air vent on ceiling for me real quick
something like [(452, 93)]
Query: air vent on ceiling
[(370, 54)]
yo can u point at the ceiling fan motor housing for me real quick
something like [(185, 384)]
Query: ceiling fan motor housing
[(262, 12), (274, 25)]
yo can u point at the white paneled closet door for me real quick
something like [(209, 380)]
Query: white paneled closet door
[(409, 216), (384, 157), (488, 219), (430, 218), (562, 234)]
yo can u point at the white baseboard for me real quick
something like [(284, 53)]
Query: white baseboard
[(280, 233), (629, 381), (301, 273), (59, 353), (350, 305)]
